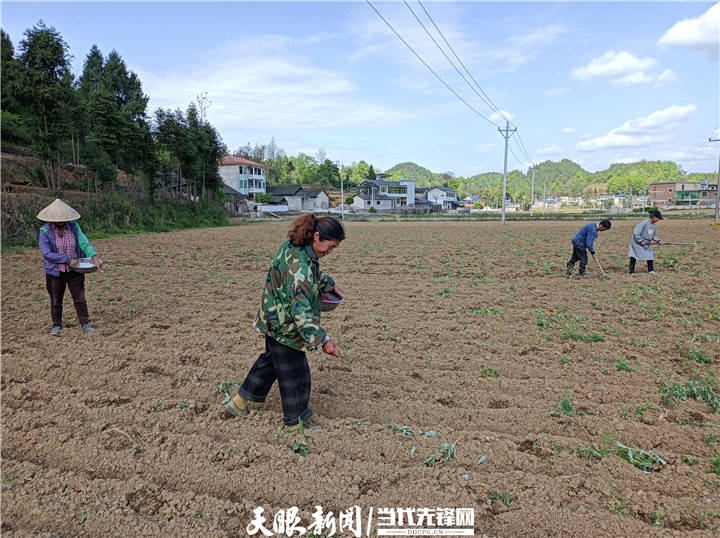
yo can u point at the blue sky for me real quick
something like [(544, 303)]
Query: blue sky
[(595, 82)]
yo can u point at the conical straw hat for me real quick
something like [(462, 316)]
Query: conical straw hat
[(58, 211)]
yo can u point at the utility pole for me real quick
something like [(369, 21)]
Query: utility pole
[(544, 199), (342, 199), (506, 134), (717, 188), (532, 192)]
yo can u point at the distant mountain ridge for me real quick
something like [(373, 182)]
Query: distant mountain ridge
[(561, 178)]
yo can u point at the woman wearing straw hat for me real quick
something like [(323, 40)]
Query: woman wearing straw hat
[(62, 242)]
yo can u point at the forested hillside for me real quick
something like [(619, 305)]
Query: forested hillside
[(563, 178)]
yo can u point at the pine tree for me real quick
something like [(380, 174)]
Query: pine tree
[(46, 95)]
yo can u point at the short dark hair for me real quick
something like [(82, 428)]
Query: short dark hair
[(606, 224)]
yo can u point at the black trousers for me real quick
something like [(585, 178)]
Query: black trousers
[(579, 254), (650, 264), (290, 367), (56, 289)]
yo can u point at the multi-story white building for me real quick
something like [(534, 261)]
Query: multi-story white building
[(400, 193), (244, 176), (443, 196)]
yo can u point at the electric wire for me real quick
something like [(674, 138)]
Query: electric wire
[(524, 151), (699, 148), (486, 100), (483, 99), (692, 155), (518, 159), (490, 102), (428, 67)]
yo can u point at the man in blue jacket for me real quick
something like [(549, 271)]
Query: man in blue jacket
[(582, 242), (62, 242)]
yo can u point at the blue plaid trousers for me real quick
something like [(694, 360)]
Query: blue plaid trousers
[(291, 370)]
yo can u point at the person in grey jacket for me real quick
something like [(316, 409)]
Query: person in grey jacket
[(640, 249)]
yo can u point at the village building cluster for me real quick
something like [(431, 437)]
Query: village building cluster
[(244, 180)]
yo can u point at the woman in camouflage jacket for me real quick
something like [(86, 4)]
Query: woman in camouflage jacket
[(289, 317)]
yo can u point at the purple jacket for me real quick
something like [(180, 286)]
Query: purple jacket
[(51, 258)]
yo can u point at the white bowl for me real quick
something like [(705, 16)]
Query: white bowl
[(85, 265)]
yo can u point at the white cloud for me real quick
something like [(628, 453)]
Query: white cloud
[(662, 119), (633, 79), (701, 33), (641, 131), (623, 69), (283, 90), (613, 65), (615, 140), (568, 130), (665, 78), (501, 116), (552, 149), (485, 148)]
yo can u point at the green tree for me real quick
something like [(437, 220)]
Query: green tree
[(46, 94), (113, 115), (305, 168), (328, 173), (360, 173), (14, 128), (172, 145)]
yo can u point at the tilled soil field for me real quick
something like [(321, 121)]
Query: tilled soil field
[(473, 374)]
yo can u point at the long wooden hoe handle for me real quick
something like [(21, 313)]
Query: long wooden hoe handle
[(600, 266)]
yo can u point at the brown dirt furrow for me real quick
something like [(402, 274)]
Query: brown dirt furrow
[(452, 332)]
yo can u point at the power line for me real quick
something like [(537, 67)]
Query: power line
[(523, 149), (483, 99), (699, 148), (490, 102), (692, 155), (518, 159), (486, 99), (428, 67)]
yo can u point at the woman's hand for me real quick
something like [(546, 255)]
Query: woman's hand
[(337, 290), (97, 262), (330, 348), (74, 262)]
